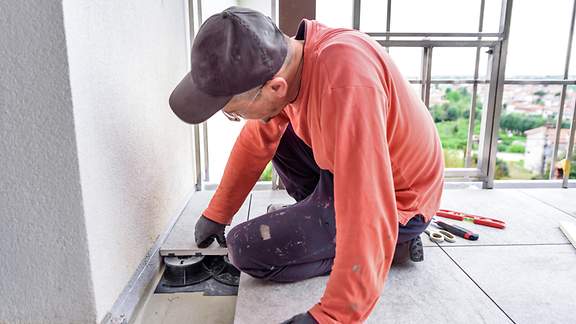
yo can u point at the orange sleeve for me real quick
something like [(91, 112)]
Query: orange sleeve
[(254, 148), (355, 146)]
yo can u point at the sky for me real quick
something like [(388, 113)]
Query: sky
[(538, 36), (537, 47)]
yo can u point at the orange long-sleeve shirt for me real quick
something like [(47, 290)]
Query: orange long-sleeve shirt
[(368, 127)]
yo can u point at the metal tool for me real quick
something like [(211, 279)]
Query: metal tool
[(480, 220), (457, 230), (438, 236)]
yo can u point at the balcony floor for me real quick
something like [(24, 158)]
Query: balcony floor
[(523, 274)]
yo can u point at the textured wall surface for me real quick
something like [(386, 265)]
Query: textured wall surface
[(44, 269), (93, 164), (135, 155)]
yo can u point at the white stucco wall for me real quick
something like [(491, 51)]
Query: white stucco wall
[(534, 152), (44, 269), (135, 155)]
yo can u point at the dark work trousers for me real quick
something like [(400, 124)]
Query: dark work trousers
[(297, 242)]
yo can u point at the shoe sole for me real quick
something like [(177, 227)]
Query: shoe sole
[(416, 250)]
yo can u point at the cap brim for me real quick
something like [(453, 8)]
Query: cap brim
[(193, 105)]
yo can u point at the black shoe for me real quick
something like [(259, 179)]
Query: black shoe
[(409, 250), (416, 250), (275, 207)]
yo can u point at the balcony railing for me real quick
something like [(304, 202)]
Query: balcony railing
[(494, 44)]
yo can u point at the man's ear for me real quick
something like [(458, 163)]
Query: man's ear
[(278, 87)]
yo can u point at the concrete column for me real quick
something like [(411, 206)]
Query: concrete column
[(45, 272), (93, 163)]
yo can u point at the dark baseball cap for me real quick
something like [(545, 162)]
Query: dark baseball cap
[(234, 51)]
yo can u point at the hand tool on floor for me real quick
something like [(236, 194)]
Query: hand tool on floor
[(438, 236), (457, 230), (480, 220)]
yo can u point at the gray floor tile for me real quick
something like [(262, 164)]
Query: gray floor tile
[(434, 291), (525, 216), (532, 284), (261, 200), (563, 199), (187, 308), (529, 221), (180, 241)]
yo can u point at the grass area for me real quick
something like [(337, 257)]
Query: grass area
[(517, 171), (267, 174), (454, 134), (511, 143), (453, 158)]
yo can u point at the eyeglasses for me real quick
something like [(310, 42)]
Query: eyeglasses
[(231, 116), (236, 117)]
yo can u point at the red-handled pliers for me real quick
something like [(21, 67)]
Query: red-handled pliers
[(471, 218)]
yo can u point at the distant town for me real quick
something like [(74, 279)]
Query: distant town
[(527, 127)]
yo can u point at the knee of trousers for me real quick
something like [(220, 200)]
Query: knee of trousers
[(244, 258), (238, 248)]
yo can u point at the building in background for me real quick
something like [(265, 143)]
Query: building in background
[(539, 145)]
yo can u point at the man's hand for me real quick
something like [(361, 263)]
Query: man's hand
[(207, 230), (304, 318)]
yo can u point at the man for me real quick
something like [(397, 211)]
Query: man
[(351, 141)]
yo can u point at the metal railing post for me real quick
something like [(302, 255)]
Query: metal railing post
[(563, 95), (356, 14), (194, 23), (388, 18), (426, 75), (206, 156), (472, 114), (570, 149), (495, 104)]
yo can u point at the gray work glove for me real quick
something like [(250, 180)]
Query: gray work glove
[(207, 230), (304, 318)]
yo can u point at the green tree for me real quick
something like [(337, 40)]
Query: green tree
[(457, 106), (267, 173), (540, 93), (502, 170), (519, 123), (452, 113)]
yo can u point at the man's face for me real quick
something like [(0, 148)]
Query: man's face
[(262, 103)]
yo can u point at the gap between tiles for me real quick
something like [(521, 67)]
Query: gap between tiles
[(477, 285), (535, 197)]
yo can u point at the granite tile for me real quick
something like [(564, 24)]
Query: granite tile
[(261, 200), (532, 284), (524, 215), (563, 199), (433, 291), (187, 308), (180, 241), (529, 221)]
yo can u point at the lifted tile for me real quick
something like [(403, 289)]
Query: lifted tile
[(532, 284), (180, 241), (433, 291)]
